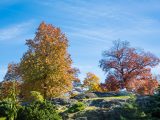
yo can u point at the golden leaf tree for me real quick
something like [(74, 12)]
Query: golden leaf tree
[(92, 82), (46, 66)]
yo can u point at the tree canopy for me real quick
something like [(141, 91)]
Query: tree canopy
[(127, 64), (46, 66)]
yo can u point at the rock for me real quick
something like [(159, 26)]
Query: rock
[(112, 94), (81, 118), (123, 93), (84, 96), (145, 101), (101, 103), (97, 115), (105, 94), (63, 101)]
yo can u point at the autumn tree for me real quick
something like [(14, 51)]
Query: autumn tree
[(11, 83), (127, 64), (111, 84), (10, 88), (144, 86), (12, 73), (46, 66), (91, 81)]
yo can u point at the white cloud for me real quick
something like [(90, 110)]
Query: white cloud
[(106, 35), (15, 31)]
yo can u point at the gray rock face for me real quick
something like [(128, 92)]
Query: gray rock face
[(101, 103), (105, 94), (85, 96), (105, 110), (63, 101), (99, 94), (98, 115), (145, 101)]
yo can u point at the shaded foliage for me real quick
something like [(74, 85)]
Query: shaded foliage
[(10, 87), (38, 111), (76, 107)]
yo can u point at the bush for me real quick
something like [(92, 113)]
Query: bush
[(154, 109), (131, 111), (76, 107), (5, 109), (8, 109), (36, 96), (38, 111)]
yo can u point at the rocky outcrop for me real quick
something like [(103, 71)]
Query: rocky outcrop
[(63, 101), (104, 110), (101, 103), (100, 94), (85, 96)]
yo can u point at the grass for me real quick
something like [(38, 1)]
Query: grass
[(91, 108), (2, 118), (109, 98)]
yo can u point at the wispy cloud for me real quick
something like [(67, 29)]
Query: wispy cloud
[(106, 35), (15, 31)]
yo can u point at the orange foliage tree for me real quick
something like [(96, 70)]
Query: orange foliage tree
[(46, 66), (8, 88), (12, 73), (111, 84), (145, 85), (11, 83), (127, 64)]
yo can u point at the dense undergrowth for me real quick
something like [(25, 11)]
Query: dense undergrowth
[(40, 109)]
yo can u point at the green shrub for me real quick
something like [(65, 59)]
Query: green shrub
[(76, 107), (3, 118), (36, 96), (38, 111), (154, 109), (131, 111), (4, 108), (8, 109)]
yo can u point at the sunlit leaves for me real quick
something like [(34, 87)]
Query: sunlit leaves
[(92, 82), (46, 66)]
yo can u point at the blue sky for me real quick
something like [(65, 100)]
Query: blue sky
[(90, 25)]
